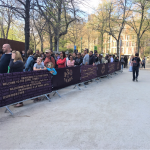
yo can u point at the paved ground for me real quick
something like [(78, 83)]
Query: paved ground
[(113, 114)]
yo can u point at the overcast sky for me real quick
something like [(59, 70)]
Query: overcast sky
[(89, 5)]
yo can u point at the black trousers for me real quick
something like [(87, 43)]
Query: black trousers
[(135, 71), (143, 65)]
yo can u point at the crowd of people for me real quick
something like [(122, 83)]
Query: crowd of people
[(15, 61)]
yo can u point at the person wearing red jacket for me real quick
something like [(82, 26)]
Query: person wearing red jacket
[(61, 62)]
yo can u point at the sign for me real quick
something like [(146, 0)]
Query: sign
[(118, 66), (88, 72), (66, 77), (18, 86), (95, 48), (111, 67), (102, 70)]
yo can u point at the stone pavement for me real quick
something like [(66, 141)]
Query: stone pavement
[(112, 114)]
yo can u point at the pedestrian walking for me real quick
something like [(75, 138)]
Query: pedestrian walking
[(122, 62), (143, 62), (130, 64), (136, 61)]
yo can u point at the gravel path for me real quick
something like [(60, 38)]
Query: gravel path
[(112, 114)]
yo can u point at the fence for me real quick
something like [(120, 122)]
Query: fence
[(15, 45), (21, 86)]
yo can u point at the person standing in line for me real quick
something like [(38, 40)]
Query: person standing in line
[(16, 65), (5, 59), (111, 59), (67, 58), (49, 58), (117, 59), (103, 59), (78, 60), (30, 61), (136, 61), (1, 53), (39, 65), (86, 57), (91, 58), (62, 60), (70, 63)]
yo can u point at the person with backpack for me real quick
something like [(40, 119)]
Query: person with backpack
[(122, 62), (49, 58), (136, 62), (30, 61)]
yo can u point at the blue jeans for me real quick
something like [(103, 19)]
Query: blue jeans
[(122, 66)]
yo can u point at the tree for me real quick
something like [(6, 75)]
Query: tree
[(21, 9), (59, 14), (5, 21), (118, 13), (99, 21), (139, 20)]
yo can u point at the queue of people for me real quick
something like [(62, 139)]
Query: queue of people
[(14, 61)]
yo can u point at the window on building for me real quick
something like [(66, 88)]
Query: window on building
[(133, 37), (128, 37), (133, 43), (122, 50), (127, 44)]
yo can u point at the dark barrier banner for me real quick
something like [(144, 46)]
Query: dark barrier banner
[(18, 86), (102, 70), (66, 77), (88, 72), (111, 67), (118, 66)]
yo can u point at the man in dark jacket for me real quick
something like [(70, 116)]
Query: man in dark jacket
[(5, 59), (136, 62), (91, 58), (78, 59)]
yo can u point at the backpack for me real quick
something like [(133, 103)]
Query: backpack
[(122, 60), (135, 63)]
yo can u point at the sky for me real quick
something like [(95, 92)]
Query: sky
[(89, 5)]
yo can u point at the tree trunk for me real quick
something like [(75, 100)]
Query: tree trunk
[(51, 42), (102, 40), (118, 47), (41, 41), (55, 43), (58, 45), (138, 44), (27, 26)]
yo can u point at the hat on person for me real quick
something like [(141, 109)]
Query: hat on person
[(47, 51)]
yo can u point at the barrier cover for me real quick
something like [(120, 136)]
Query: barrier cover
[(66, 77), (18, 86), (102, 70), (111, 67), (88, 72), (118, 66)]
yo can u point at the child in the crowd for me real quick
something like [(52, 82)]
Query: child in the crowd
[(51, 69), (39, 65)]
